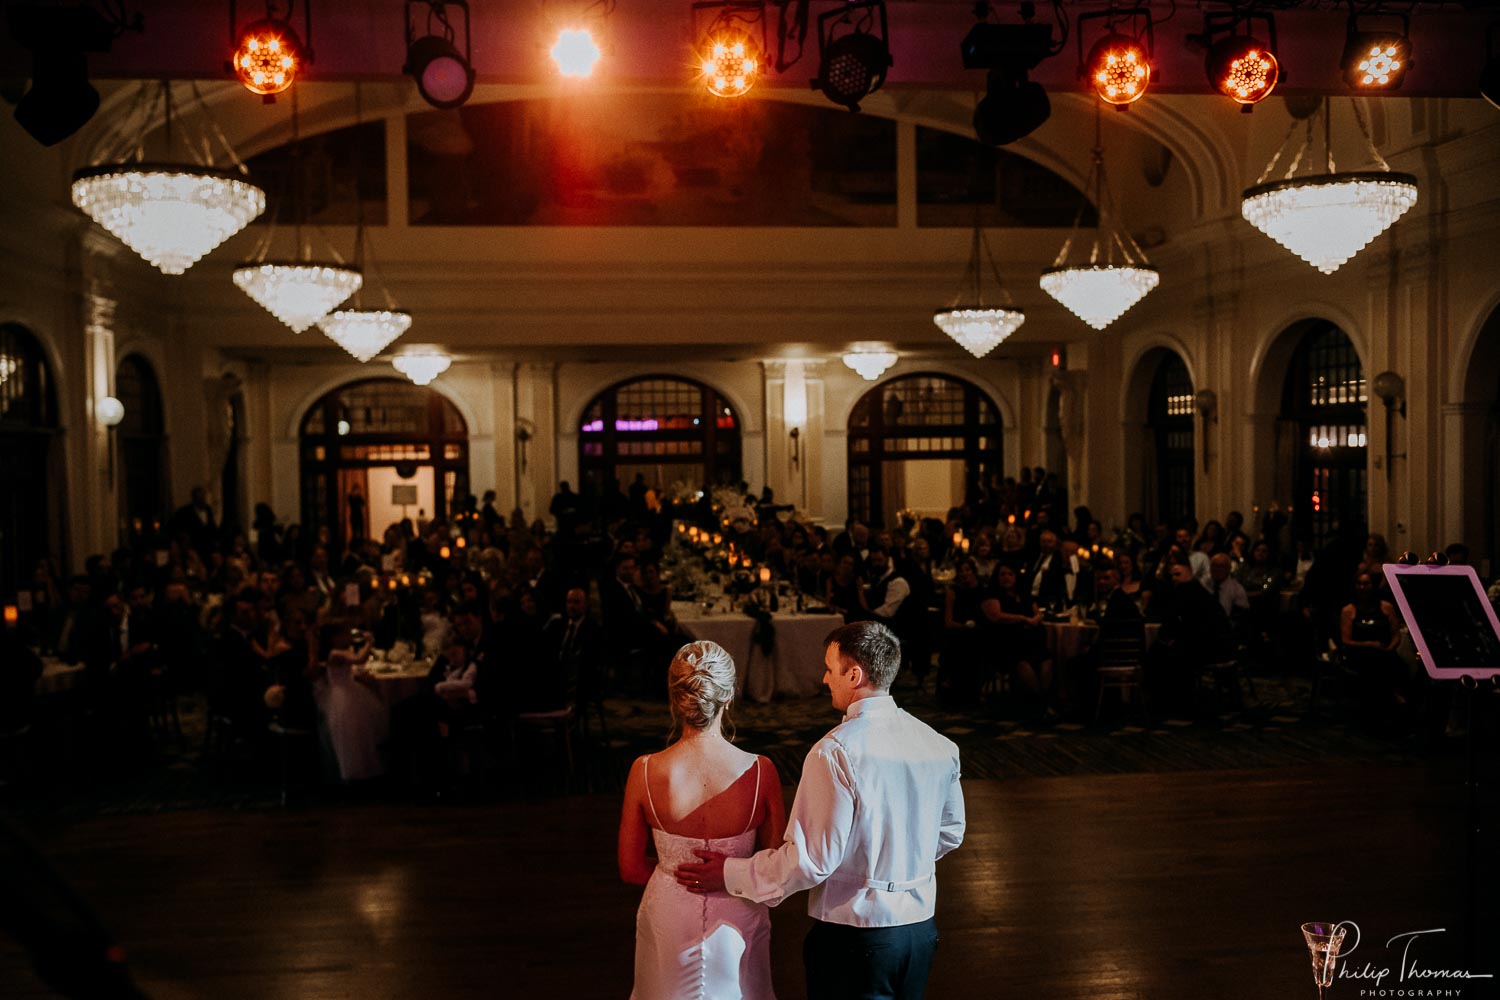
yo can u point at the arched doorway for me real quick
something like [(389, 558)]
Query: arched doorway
[(142, 446), (1170, 419), (922, 443), (1322, 431), (396, 449), (31, 507), (1479, 418), (664, 427)]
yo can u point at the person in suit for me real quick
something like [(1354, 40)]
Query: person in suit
[(239, 676), (195, 519), (1049, 574), (573, 671)]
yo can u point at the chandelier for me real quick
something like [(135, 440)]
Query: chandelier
[(297, 293), (976, 327), (172, 214), (1328, 218), (364, 333), (421, 364), (1116, 275), (870, 363)]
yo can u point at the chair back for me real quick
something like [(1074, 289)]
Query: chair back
[(1122, 642)]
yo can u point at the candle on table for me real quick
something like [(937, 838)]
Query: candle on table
[(765, 574)]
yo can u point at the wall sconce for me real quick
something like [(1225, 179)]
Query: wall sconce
[(794, 407), (796, 436), (110, 411), (524, 432), (1391, 388), (1207, 403)]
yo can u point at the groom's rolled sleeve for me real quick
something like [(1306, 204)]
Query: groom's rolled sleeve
[(817, 833), (951, 829)]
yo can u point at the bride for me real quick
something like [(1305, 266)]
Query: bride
[(699, 793)]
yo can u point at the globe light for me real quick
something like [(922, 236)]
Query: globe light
[(730, 62), (979, 329), (1119, 69), (421, 364), (268, 57), (298, 294), (1328, 218), (170, 214), (575, 52), (110, 411), (1099, 294), (364, 333), (870, 364), (1243, 70)]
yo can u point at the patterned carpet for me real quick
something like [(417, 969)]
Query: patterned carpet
[(1271, 729)]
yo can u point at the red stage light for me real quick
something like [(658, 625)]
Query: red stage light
[(1119, 69), (268, 57)]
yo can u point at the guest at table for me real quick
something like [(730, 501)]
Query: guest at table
[(238, 676), (573, 671), (1194, 632), (1130, 582), (292, 668), (1049, 572), (1020, 638), (77, 621), (966, 642), (195, 519), (846, 591), (1229, 592), (1111, 602), (180, 637), (1369, 634)]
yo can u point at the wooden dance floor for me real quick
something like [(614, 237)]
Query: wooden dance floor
[(1083, 888)]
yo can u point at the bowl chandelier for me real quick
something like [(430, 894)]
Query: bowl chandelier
[(421, 364), (870, 363), (1116, 274), (364, 333), (976, 327), (1328, 218), (171, 213)]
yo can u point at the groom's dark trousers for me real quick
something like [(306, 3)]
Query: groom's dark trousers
[(868, 963)]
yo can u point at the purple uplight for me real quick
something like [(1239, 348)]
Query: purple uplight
[(636, 425), (593, 427)]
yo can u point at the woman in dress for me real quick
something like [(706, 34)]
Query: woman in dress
[(1131, 584), (356, 719), (1020, 636), (701, 793)]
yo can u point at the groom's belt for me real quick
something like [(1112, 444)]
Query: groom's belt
[(882, 884)]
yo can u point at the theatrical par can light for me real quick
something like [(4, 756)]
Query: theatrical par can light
[(852, 65), (1243, 70), (1119, 69), (730, 62), (444, 76), (267, 57), (1376, 60), (575, 52)]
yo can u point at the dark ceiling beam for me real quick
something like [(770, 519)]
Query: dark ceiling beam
[(649, 43)]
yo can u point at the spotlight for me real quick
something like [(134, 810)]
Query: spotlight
[(1119, 69), (731, 62), (268, 57), (575, 52), (61, 99), (445, 79), (852, 65), (1376, 60), (1013, 106), (1489, 80), (1242, 68)]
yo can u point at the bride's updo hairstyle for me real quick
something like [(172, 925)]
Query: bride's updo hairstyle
[(700, 685)]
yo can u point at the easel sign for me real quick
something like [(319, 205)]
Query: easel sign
[(1452, 622)]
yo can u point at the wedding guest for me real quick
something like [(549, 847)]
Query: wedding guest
[(573, 671), (1020, 637), (1369, 634), (1226, 589), (1131, 584), (846, 593), (966, 642)]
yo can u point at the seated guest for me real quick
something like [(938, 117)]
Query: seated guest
[(1012, 553), (76, 623), (356, 719), (180, 638), (293, 667), (1230, 593), (1369, 634), (815, 573), (656, 603), (573, 671), (1049, 573), (1019, 635), (1131, 584), (1194, 632), (1110, 600), (966, 640), (846, 592), (238, 676)]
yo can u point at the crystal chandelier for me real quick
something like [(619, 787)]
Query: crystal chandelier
[(870, 364), (976, 327), (172, 214), (421, 364), (364, 333), (1116, 275), (1328, 218), (298, 293)]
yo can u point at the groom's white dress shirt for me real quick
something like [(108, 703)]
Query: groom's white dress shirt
[(878, 804)]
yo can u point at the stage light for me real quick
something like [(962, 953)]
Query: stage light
[(852, 65), (445, 78), (575, 52), (1119, 69), (1243, 70), (1013, 106), (730, 61), (1376, 60), (60, 100), (268, 57)]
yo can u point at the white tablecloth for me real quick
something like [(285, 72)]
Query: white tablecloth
[(1069, 640), (58, 676), (402, 682), (794, 668)]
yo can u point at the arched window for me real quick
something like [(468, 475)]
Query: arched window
[(376, 451), (922, 443), (666, 428), (31, 508), (1170, 417), (142, 441), (1323, 403)]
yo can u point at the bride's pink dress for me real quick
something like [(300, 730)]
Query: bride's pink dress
[(700, 947)]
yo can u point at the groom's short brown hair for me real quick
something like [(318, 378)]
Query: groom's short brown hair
[(870, 645)]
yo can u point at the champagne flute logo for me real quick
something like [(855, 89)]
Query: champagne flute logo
[(1324, 943)]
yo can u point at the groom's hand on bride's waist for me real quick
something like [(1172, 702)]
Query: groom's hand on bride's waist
[(705, 877)]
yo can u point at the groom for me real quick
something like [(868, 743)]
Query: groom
[(878, 804)]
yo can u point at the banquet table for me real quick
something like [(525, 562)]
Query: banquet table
[(396, 681), (58, 676), (793, 669), (1068, 640)]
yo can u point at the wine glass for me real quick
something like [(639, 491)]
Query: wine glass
[(1324, 942)]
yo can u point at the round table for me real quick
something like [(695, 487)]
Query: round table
[(793, 669), (395, 682), (58, 676), (1069, 640)]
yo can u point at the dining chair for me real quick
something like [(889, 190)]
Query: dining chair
[(1121, 649)]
